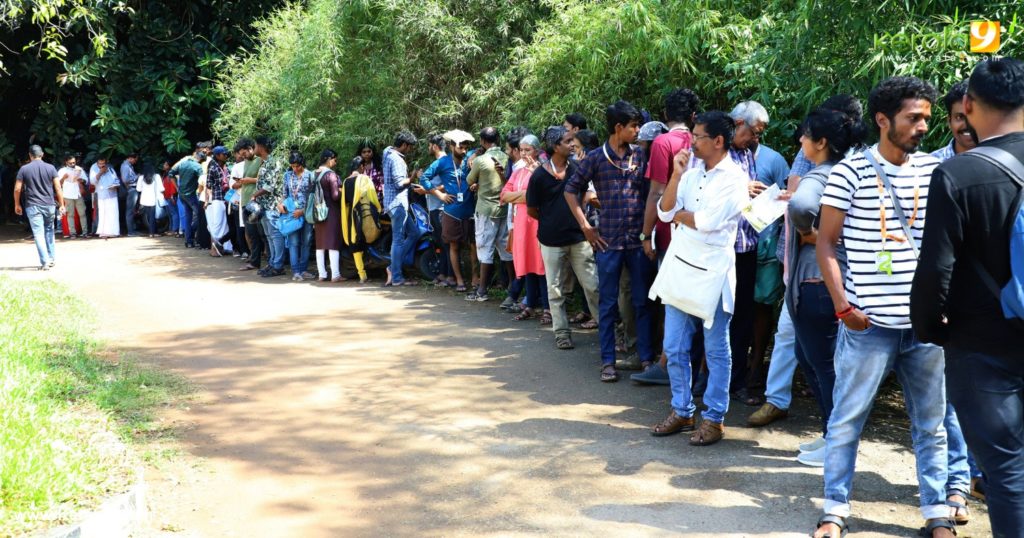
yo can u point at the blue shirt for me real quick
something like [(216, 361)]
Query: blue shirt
[(128, 174), (801, 165), (395, 172), (455, 182), (771, 167), (946, 152), (433, 177), (620, 187)]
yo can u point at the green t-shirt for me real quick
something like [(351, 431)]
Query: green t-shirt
[(250, 169)]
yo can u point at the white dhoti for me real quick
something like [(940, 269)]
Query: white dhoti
[(216, 221), (108, 221)]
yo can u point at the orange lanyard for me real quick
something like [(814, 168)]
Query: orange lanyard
[(881, 211)]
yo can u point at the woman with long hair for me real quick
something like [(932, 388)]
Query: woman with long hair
[(370, 166), (328, 232), (151, 195)]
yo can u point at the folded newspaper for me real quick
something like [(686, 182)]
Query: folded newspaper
[(765, 208)]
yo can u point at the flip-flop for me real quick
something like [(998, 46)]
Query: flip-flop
[(461, 289), (608, 374)]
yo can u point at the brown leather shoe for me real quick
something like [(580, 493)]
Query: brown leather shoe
[(673, 424), (765, 415), (708, 434)]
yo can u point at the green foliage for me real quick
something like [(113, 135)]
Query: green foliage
[(329, 73), (118, 77)]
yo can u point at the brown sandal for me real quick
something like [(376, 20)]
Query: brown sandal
[(589, 324), (708, 434), (545, 318), (673, 424), (524, 315)]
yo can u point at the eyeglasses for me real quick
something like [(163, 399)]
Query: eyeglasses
[(698, 137)]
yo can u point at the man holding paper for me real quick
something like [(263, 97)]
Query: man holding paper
[(698, 276)]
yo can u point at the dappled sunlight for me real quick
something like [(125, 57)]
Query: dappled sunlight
[(350, 410)]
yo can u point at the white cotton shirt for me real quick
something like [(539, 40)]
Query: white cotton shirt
[(853, 187), (70, 186), (717, 198), (150, 195)]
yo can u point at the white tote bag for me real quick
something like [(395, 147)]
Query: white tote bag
[(693, 275)]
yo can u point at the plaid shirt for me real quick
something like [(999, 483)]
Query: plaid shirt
[(746, 236), (215, 181), (945, 153), (395, 171), (623, 193)]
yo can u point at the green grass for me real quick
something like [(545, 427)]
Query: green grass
[(66, 408)]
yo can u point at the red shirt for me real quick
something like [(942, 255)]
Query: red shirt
[(169, 188), (659, 169)]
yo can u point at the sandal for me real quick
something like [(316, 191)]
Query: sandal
[(608, 374), (978, 488), (589, 324), (940, 523), (959, 512), (564, 342), (580, 317), (461, 288), (524, 315), (835, 520), (709, 433), (545, 318)]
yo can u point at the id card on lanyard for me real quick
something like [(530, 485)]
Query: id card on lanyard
[(883, 258)]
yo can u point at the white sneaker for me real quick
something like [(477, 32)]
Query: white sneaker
[(813, 445), (814, 458)]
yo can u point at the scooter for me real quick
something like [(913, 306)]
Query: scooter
[(424, 256)]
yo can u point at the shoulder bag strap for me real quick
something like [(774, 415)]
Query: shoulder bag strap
[(1012, 167), (897, 208)]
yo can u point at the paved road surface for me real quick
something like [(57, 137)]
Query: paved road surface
[(351, 410)]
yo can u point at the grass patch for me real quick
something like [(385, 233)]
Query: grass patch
[(66, 408)]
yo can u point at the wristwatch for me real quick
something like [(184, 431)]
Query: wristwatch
[(643, 237)]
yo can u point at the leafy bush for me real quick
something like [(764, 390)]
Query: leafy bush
[(332, 73)]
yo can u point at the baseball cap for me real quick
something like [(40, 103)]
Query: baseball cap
[(220, 150)]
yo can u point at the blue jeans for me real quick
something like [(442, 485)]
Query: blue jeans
[(403, 229), (958, 481), (275, 240), (816, 329), (779, 391), (171, 210), (989, 393), (610, 264), (298, 244), (40, 219), (129, 215), (536, 291), (862, 361), (191, 217), (181, 216), (680, 329)]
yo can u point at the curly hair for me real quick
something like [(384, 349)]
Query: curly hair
[(681, 105), (888, 96)]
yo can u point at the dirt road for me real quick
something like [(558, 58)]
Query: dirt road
[(350, 410)]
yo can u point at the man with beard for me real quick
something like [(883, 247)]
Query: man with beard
[(875, 201), (962, 141)]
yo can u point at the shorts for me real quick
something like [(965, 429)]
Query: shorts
[(455, 230), (491, 233)]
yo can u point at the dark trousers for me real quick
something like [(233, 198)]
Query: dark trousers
[(150, 214), (741, 327), (445, 267), (256, 239), (238, 237), (816, 328), (988, 394), (610, 264)]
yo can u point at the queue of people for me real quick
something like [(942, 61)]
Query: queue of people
[(660, 233)]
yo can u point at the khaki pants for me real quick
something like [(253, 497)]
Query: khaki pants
[(557, 264), (76, 206)]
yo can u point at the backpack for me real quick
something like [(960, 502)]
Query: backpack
[(316, 205), (364, 225), (1011, 296)]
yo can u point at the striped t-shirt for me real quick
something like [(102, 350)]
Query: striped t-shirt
[(853, 187)]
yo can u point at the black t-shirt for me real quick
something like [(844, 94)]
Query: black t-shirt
[(557, 227), (37, 183)]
